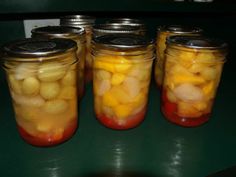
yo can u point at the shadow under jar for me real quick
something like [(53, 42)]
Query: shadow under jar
[(122, 72), (75, 34), (192, 74), (42, 79)]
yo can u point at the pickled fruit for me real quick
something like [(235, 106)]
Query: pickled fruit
[(45, 105), (120, 91), (49, 90), (50, 72), (184, 58), (30, 86), (190, 84)]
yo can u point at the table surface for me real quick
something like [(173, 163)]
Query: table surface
[(156, 148)]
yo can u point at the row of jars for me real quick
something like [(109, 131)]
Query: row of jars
[(46, 78)]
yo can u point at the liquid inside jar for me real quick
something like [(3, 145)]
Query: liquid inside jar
[(162, 34), (43, 89), (120, 90), (190, 84), (121, 80), (45, 101)]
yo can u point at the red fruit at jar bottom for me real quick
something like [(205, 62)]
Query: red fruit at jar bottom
[(170, 112), (44, 139), (184, 121), (113, 122)]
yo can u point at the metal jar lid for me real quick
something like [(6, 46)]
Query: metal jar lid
[(179, 29), (75, 20), (197, 42), (120, 41), (125, 20), (33, 48), (58, 31), (115, 28)]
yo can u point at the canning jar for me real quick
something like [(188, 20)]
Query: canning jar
[(87, 23), (73, 33), (162, 33), (122, 71), (42, 79), (107, 29), (192, 74)]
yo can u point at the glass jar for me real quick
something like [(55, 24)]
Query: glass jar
[(42, 80), (192, 74), (76, 34), (87, 23), (122, 72), (162, 33), (107, 29)]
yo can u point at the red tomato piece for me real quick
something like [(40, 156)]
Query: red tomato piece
[(44, 139)]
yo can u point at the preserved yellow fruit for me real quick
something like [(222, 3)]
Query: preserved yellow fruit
[(171, 96), (36, 101), (30, 86), (15, 84), (50, 72), (49, 90), (123, 111), (209, 73), (69, 78), (25, 70), (123, 65), (108, 111), (102, 75), (55, 106), (132, 86), (109, 100), (101, 87), (187, 110), (67, 92), (185, 59), (121, 82), (44, 90), (117, 79), (121, 95), (191, 79)]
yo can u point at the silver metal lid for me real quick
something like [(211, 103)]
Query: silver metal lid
[(58, 31), (115, 28), (139, 25), (120, 41), (77, 20), (197, 42), (125, 20), (180, 29), (30, 47)]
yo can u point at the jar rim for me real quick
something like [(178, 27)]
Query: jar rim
[(58, 31), (197, 42), (30, 48), (179, 29), (122, 41)]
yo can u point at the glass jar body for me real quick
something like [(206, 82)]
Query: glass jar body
[(44, 96), (121, 85), (190, 84)]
